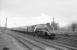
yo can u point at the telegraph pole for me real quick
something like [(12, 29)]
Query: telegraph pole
[(53, 24), (53, 19), (5, 23)]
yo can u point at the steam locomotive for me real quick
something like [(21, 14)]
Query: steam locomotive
[(44, 31), (41, 30)]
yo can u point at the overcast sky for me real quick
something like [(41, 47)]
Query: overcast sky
[(28, 12)]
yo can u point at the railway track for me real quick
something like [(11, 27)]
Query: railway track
[(27, 43), (44, 42), (37, 45), (67, 37), (62, 43), (49, 42), (68, 41)]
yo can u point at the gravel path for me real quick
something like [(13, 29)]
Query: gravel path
[(2, 42), (6, 41)]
